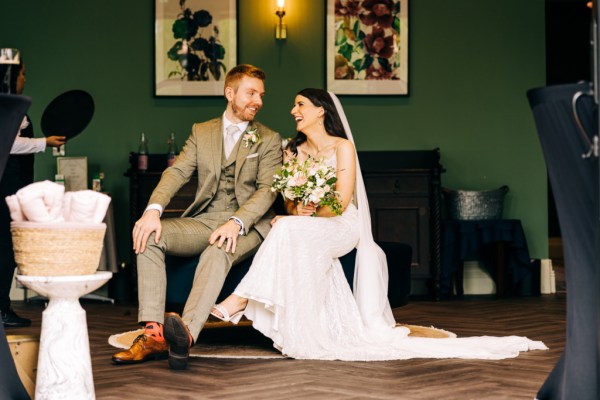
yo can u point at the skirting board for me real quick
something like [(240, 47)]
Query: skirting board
[(547, 277), (477, 280)]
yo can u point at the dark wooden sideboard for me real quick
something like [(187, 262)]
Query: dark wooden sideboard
[(403, 188), (404, 197)]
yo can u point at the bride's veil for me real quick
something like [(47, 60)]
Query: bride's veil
[(370, 273)]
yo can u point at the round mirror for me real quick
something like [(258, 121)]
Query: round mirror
[(68, 114)]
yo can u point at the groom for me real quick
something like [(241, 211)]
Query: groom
[(235, 158)]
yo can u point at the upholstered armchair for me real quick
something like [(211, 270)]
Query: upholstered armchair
[(180, 274)]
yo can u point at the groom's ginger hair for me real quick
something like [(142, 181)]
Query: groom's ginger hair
[(238, 72)]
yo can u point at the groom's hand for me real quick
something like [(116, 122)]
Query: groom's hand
[(226, 233), (150, 222)]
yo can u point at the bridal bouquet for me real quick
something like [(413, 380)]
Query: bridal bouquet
[(309, 181)]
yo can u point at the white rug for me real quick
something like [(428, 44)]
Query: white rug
[(233, 350)]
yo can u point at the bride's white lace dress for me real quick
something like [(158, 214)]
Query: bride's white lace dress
[(299, 297)]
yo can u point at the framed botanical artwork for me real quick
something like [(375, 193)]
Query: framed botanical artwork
[(195, 44), (367, 47)]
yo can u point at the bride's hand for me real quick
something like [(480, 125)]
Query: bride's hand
[(277, 218), (306, 210)]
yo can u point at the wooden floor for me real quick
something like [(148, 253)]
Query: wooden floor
[(540, 318)]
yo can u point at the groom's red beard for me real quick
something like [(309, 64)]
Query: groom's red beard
[(243, 112)]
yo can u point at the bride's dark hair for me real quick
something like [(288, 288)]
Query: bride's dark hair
[(332, 122)]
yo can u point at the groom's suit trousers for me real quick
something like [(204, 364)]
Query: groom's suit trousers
[(188, 237)]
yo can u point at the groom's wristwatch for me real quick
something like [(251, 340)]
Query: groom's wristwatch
[(239, 223)]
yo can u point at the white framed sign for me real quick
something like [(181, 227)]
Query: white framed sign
[(74, 170)]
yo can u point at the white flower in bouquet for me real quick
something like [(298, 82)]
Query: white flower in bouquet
[(288, 193), (317, 195), (309, 181)]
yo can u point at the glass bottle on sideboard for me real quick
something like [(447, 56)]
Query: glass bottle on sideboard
[(172, 151), (143, 153)]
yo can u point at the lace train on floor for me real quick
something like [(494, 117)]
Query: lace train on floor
[(299, 297)]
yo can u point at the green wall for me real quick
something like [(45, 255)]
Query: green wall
[(471, 62)]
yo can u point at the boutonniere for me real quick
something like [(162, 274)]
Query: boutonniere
[(251, 137)]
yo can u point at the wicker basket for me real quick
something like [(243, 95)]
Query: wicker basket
[(44, 249), (473, 205)]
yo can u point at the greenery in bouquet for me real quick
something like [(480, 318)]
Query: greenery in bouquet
[(310, 181), (199, 54)]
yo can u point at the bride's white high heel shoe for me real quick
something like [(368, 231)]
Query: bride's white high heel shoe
[(234, 319)]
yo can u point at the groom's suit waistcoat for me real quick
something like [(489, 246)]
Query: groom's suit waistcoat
[(225, 200), (249, 170)]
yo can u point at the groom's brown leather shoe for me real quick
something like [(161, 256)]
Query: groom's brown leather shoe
[(178, 335), (144, 348)]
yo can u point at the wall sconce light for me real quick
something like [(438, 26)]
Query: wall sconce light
[(281, 28)]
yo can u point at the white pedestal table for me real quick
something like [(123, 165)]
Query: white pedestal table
[(64, 363)]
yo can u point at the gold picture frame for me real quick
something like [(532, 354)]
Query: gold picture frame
[(195, 44), (367, 47)]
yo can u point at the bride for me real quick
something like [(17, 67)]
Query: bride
[(296, 293)]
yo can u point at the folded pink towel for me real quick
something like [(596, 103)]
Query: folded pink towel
[(47, 202), (15, 208), (42, 201), (85, 206)]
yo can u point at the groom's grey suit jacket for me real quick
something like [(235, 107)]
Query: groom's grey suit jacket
[(255, 166)]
